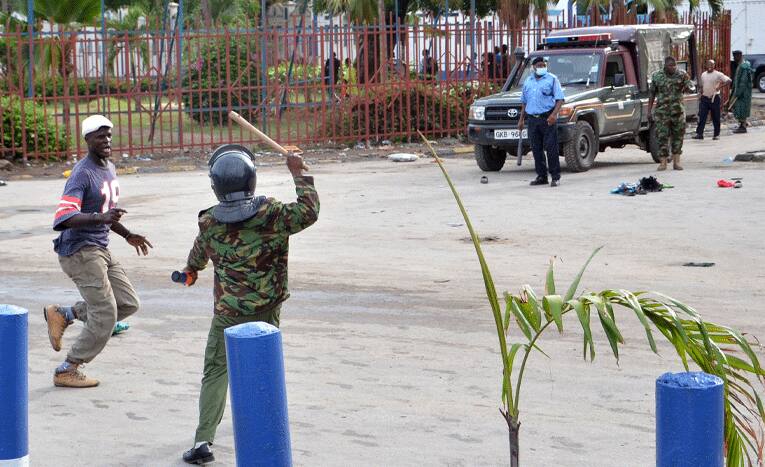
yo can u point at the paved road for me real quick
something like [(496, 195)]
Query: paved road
[(390, 347)]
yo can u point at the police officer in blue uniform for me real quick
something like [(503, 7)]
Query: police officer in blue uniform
[(542, 98)]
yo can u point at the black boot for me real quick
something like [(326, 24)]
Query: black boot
[(199, 456), (539, 181)]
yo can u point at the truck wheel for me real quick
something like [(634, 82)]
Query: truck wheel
[(760, 81), (653, 144), (490, 159), (580, 152)]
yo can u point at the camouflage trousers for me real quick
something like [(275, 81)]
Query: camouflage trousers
[(212, 397), (670, 130)]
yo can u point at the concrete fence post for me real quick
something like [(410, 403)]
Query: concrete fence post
[(14, 393), (689, 420), (258, 395)]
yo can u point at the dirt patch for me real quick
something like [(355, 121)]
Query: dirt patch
[(486, 239)]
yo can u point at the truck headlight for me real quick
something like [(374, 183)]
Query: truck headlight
[(477, 112), (565, 113)]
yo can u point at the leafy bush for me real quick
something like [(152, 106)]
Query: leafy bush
[(43, 134), (206, 91), (398, 109), (299, 72)]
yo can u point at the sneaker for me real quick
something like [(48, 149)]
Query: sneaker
[(715, 138), (697, 137), (56, 325), (538, 181), (741, 129), (73, 378), (199, 456), (555, 183), (120, 327)]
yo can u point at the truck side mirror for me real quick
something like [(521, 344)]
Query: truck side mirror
[(619, 80)]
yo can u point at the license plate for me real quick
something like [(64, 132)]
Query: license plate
[(509, 134)]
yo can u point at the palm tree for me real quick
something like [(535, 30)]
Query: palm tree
[(56, 56), (130, 42), (514, 13), (367, 13), (715, 349)]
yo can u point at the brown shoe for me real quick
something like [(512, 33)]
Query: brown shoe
[(662, 164), (676, 162), (73, 378), (56, 325)]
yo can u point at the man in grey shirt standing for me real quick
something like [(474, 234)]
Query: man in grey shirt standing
[(711, 83)]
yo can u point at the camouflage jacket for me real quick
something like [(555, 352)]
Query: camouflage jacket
[(250, 257), (669, 90)]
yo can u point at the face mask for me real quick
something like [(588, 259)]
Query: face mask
[(541, 71)]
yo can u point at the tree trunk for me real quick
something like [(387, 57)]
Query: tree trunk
[(205, 7), (514, 427)]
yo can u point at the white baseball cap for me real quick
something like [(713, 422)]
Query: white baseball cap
[(93, 123)]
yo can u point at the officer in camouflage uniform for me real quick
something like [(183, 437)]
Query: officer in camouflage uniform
[(247, 239), (667, 88)]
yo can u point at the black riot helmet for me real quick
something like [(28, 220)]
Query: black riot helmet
[(232, 173)]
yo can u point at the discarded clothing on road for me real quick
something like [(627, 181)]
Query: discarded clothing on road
[(642, 187)]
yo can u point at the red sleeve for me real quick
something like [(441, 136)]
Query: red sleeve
[(70, 203)]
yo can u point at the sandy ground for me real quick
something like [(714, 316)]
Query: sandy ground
[(391, 355)]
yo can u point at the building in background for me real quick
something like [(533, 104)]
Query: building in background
[(747, 34)]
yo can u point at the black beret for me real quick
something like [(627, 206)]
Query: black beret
[(537, 60)]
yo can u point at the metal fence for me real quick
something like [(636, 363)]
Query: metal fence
[(170, 90)]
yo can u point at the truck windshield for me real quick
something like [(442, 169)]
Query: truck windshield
[(574, 68)]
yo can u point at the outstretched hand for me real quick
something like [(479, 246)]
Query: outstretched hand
[(140, 243)]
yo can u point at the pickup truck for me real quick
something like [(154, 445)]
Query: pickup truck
[(605, 74)]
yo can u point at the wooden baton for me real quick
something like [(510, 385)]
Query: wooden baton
[(241, 121)]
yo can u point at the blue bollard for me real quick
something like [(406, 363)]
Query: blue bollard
[(258, 395), (689, 420), (14, 394)]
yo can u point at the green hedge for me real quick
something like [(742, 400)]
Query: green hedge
[(396, 108), (208, 81), (43, 135)]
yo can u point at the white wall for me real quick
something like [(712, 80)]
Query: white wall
[(747, 33)]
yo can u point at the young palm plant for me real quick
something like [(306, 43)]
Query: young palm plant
[(715, 349)]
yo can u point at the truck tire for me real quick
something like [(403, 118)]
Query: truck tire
[(760, 81), (581, 150), (490, 159), (653, 144)]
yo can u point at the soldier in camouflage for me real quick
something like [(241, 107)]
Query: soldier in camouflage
[(667, 88), (247, 239)]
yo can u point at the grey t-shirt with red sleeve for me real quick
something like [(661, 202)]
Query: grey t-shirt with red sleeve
[(91, 188)]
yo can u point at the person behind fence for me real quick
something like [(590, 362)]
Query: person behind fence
[(541, 100), (247, 239), (504, 62), (742, 91), (86, 213), (667, 88), (332, 70), (489, 66), (711, 83)]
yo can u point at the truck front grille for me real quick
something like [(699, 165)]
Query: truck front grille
[(503, 112)]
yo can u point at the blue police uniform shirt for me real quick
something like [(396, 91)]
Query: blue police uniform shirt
[(539, 95)]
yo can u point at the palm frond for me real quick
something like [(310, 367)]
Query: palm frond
[(714, 348)]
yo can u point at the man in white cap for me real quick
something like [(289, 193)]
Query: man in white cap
[(86, 213)]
